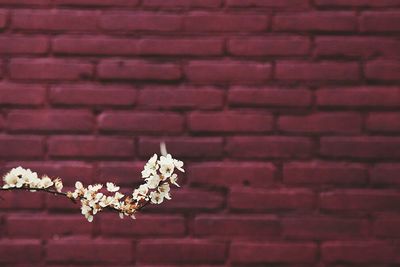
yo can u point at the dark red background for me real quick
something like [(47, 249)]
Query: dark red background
[(286, 113)]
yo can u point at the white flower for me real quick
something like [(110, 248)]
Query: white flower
[(107, 201), (111, 187), (156, 197), (45, 182), (153, 181), (78, 185), (164, 190), (58, 184), (140, 193), (11, 178), (86, 210), (95, 187), (166, 165), (118, 195), (89, 217), (19, 177), (151, 167), (179, 164), (174, 179), (94, 199), (79, 191)]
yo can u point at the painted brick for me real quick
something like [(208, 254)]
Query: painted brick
[(226, 122), (93, 95), (268, 252), (229, 174), (269, 147), (322, 173), (181, 251)]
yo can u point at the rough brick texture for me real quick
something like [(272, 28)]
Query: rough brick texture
[(285, 112)]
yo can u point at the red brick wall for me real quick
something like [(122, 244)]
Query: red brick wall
[(286, 113)]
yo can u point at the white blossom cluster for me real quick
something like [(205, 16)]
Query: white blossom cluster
[(25, 178), (158, 175)]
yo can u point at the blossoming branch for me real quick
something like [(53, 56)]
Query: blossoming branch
[(158, 174)]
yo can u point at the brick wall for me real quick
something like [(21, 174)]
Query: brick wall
[(286, 113)]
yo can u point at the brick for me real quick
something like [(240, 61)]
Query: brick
[(50, 121), (90, 251), (90, 147), (137, 70), (203, 98), (358, 3), (269, 147), (360, 200), (259, 200), (287, 4), (269, 97), (58, 205), (67, 170), (273, 252), (322, 71), (181, 47), (3, 19), (67, 45), (121, 173), (2, 123), (233, 226), (360, 252), (25, 2), (144, 225), (181, 251), (205, 72), (230, 122), (387, 226), (140, 22), (383, 122), (324, 228), (101, 3), (134, 122), (181, 3), (49, 69), (382, 70), (54, 20), (229, 174), (16, 45), (361, 147), (380, 21), (22, 201), (21, 147), (48, 226), (322, 173), (22, 94), (368, 97), (188, 200), (323, 21), (322, 123), (20, 251), (93, 95), (190, 147), (385, 174), (349, 46), (271, 46), (203, 22)]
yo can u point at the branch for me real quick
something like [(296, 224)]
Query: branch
[(158, 175)]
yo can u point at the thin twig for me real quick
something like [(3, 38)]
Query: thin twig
[(55, 193)]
